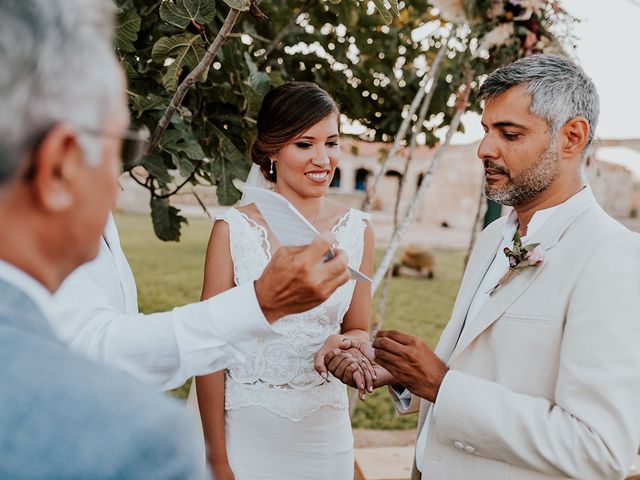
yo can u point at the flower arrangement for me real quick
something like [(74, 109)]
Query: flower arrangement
[(520, 257), (521, 24)]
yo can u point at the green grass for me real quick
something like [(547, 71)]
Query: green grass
[(169, 274)]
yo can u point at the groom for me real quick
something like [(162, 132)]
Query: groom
[(537, 374)]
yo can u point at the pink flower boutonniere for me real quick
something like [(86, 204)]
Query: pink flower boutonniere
[(520, 257)]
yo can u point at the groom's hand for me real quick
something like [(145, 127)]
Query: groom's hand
[(411, 361), (298, 279)]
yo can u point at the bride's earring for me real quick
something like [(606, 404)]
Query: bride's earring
[(271, 169)]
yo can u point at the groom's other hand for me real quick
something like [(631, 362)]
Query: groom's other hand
[(298, 279), (411, 361)]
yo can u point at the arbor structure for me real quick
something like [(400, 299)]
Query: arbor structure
[(197, 71)]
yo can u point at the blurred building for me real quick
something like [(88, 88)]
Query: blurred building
[(448, 212)]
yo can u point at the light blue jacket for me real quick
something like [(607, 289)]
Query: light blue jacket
[(65, 417)]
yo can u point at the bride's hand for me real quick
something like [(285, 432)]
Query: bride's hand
[(344, 367), (363, 345), (331, 343), (360, 363)]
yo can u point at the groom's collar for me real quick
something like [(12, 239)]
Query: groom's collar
[(549, 233), (538, 219)]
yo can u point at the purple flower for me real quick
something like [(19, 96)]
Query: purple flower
[(513, 262)]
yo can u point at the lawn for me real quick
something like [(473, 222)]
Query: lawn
[(170, 274)]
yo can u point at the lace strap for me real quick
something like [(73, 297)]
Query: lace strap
[(248, 244), (349, 232)]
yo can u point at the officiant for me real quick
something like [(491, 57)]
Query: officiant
[(96, 313)]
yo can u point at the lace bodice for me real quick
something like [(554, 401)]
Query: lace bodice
[(279, 375)]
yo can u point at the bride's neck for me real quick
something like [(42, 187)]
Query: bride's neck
[(309, 207)]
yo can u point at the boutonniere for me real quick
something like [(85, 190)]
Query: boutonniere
[(520, 257)]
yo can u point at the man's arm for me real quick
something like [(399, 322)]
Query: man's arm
[(160, 349), (164, 349)]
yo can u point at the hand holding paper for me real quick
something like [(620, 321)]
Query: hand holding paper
[(287, 224)]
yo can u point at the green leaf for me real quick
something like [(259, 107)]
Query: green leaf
[(185, 167), (126, 32), (179, 142), (254, 91), (242, 5), (530, 246), (384, 13), (230, 163), (140, 104), (154, 164), (129, 70), (395, 10), (222, 170), (253, 68), (185, 49), (166, 220), (182, 13)]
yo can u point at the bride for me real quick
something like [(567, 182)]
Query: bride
[(275, 417)]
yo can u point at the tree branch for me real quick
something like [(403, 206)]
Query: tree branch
[(477, 224), (430, 78), (188, 82), (421, 193)]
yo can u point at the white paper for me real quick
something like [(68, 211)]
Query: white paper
[(288, 225)]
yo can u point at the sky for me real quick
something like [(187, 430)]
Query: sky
[(608, 48)]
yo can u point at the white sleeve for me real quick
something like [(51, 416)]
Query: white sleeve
[(403, 400), (160, 349)]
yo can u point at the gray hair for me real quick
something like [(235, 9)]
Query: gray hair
[(58, 65), (560, 90)]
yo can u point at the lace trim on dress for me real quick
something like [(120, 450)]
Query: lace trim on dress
[(287, 403), (279, 374), (262, 233)]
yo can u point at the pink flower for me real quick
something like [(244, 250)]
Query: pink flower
[(535, 256)]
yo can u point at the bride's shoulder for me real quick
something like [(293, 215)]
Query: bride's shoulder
[(236, 212), (339, 211)]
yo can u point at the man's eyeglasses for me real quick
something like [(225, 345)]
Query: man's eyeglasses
[(133, 142), (131, 152)]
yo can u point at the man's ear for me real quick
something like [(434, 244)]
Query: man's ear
[(573, 137), (57, 165)]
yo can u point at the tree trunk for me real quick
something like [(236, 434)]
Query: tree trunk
[(420, 195)]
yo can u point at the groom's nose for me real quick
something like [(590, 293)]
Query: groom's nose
[(488, 149)]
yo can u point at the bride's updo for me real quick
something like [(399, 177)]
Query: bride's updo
[(286, 112)]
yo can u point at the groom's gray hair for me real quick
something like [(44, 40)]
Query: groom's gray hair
[(57, 65), (560, 90)]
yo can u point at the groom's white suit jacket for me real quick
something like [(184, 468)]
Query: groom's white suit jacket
[(545, 381)]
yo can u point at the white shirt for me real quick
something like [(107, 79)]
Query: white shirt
[(27, 284), (95, 312), (494, 273)]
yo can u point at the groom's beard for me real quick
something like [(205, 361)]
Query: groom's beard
[(528, 184)]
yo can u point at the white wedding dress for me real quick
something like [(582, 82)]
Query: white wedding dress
[(283, 421)]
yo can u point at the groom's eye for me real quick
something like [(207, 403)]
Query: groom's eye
[(511, 136)]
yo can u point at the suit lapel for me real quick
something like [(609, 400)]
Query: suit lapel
[(479, 263), (548, 236)]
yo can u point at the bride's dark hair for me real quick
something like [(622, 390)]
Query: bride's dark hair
[(286, 112)]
